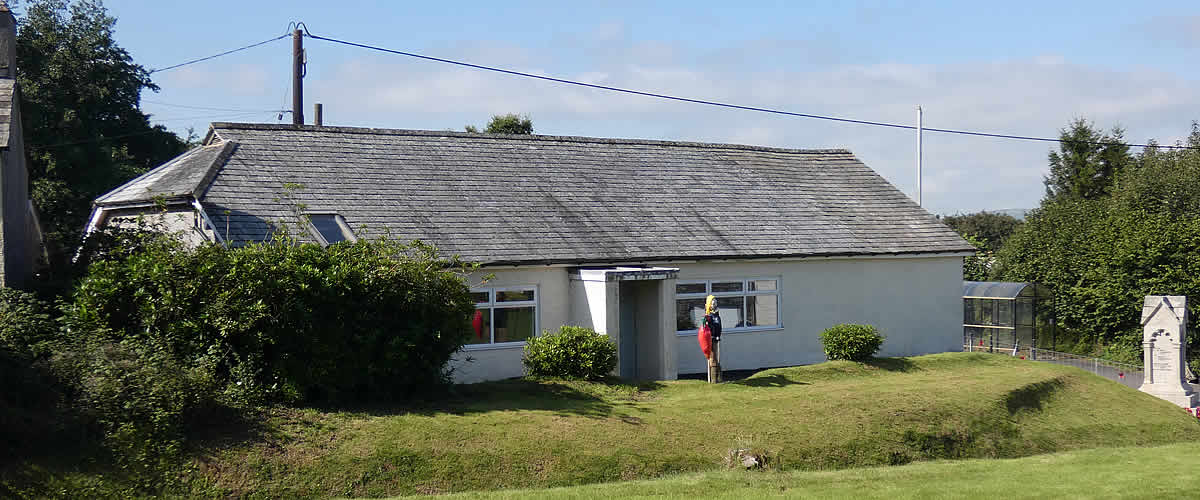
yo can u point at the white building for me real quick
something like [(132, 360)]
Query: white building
[(623, 236)]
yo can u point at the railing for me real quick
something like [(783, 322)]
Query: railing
[(1124, 373)]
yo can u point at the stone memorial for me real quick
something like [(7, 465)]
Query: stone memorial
[(1164, 338)]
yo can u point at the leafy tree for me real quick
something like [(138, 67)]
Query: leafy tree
[(1087, 162), (978, 266), (84, 132), (991, 229), (1102, 254), (506, 124)]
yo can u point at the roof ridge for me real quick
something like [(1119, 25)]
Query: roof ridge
[(524, 137)]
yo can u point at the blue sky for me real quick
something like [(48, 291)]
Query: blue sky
[(1012, 67)]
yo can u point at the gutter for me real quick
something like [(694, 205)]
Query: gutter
[(204, 215)]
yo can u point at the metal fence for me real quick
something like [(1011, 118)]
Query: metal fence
[(1124, 373)]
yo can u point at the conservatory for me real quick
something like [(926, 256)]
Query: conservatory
[(999, 315)]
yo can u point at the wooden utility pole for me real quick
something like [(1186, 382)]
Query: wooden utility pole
[(298, 71)]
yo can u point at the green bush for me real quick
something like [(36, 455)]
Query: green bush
[(141, 399), (30, 395), (852, 342), (287, 321), (573, 352), (25, 322)]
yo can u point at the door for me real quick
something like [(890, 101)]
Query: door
[(627, 339)]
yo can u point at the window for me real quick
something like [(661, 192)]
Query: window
[(330, 228), (744, 304), (503, 315)]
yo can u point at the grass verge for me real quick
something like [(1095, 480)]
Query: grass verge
[(548, 433), (1132, 472)]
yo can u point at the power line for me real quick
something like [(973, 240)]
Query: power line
[(214, 56), (223, 115), (145, 132), (206, 108), (728, 105)]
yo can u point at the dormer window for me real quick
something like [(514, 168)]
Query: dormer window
[(330, 228)]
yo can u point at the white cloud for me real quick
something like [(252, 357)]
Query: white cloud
[(1035, 96)]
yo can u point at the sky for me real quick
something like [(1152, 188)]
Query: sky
[(1023, 68)]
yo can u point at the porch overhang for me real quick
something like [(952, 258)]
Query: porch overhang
[(624, 273)]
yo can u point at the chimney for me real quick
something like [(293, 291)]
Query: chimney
[(318, 120), (8, 42)]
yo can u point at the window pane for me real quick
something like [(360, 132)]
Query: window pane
[(690, 288), (688, 314), (1024, 312), (481, 327), (513, 295), (761, 310), (514, 324), (479, 297), (763, 285), (327, 225), (1004, 311), (731, 311), (726, 286), (969, 311)]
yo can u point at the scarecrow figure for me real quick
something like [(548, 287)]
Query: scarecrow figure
[(710, 337)]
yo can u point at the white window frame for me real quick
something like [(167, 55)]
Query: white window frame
[(491, 307), (746, 292)]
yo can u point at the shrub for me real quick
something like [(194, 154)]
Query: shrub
[(30, 395), (286, 321), (25, 322), (141, 399), (852, 342), (573, 352)]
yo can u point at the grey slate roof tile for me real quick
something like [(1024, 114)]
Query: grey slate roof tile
[(185, 175), (547, 199)]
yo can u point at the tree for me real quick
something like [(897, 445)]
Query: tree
[(977, 267), (506, 124), (84, 132), (1102, 254), (991, 229), (1087, 162)]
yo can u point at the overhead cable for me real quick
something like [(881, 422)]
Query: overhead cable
[(733, 106), (214, 56)]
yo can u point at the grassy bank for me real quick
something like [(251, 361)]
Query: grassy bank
[(1152, 472), (536, 434)]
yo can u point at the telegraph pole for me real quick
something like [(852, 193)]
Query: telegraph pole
[(920, 132), (298, 70)]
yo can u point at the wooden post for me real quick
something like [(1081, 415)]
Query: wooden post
[(297, 77), (714, 364)]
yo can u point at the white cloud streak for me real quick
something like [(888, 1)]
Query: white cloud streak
[(1034, 96)]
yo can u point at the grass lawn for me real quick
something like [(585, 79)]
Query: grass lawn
[(1153, 472), (539, 434)]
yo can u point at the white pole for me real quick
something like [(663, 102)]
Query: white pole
[(920, 132)]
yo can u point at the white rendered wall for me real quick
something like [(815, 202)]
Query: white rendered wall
[(477, 363), (180, 221), (915, 302)]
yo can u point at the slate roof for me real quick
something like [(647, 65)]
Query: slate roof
[(519, 199), (184, 176)]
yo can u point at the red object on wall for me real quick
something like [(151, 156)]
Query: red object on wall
[(705, 338), (477, 323)]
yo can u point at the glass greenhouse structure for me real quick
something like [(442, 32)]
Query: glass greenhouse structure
[(1000, 315)]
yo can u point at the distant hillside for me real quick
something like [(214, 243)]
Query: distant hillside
[(1016, 213)]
